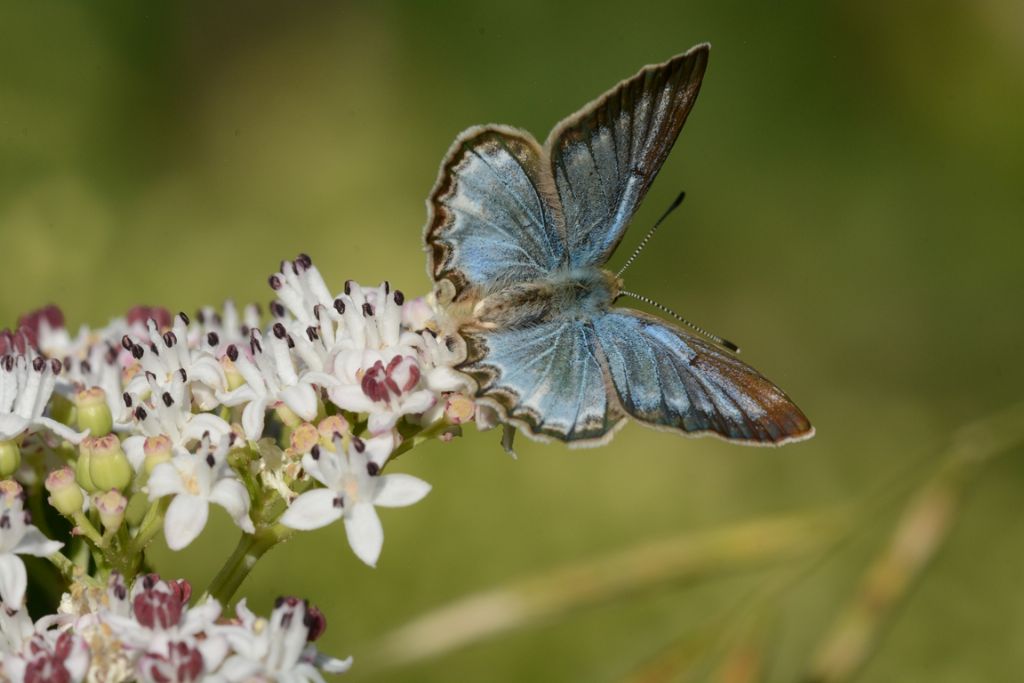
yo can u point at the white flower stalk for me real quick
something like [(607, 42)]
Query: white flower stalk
[(18, 537), (272, 379), (278, 649), (196, 481), (353, 486), (26, 385)]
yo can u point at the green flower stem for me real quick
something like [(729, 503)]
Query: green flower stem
[(65, 566), (426, 434), (87, 529), (250, 548)]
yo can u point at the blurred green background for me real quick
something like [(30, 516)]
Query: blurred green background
[(855, 183)]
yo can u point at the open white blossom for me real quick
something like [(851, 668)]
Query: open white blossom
[(18, 537), (26, 385), (195, 481), (278, 649), (353, 486)]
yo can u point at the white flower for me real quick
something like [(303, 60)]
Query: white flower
[(48, 655), (169, 359), (169, 413), (219, 329), (195, 481), (160, 623), (300, 288), (354, 486), (26, 384), (280, 649), (385, 388), (271, 379), (18, 537)]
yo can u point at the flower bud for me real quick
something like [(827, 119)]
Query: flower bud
[(459, 408), (330, 427), (82, 474), (10, 458), (10, 489), (303, 438), (93, 413), (111, 506), (157, 450), (65, 495), (108, 465)]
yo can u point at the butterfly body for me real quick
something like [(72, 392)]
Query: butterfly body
[(577, 293), (519, 234)]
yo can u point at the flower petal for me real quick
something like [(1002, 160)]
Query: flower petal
[(301, 398), (231, 495), (399, 490), (34, 543), (164, 480), (11, 425), (252, 418), (365, 533), (185, 520), (312, 510), (13, 580)]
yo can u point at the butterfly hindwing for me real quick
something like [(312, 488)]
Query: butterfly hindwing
[(605, 157), (668, 378), (493, 212), (547, 378)]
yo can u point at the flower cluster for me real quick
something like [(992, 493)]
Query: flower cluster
[(287, 422), (148, 632)]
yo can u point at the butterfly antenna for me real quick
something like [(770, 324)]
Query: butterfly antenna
[(721, 341), (650, 234)]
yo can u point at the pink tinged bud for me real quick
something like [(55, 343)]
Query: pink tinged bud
[(303, 438), (109, 467), (33, 321), (10, 458), (139, 315), (315, 621), (65, 495), (63, 662), (182, 663), (93, 413), (332, 427), (10, 489), (158, 607), (459, 408), (157, 449), (111, 506)]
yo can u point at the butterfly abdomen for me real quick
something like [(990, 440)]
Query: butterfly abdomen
[(585, 292)]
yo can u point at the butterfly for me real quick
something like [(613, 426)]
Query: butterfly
[(517, 237)]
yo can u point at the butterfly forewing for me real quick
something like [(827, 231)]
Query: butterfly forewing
[(493, 212), (605, 157), (666, 377)]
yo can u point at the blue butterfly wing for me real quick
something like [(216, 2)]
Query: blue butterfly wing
[(667, 378), (493, 213), (605, 157), (546, 378)]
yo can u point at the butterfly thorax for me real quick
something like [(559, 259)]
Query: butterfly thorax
[(569, 293)]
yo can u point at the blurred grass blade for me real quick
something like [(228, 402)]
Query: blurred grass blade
[(920, 532), (552, 594)]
